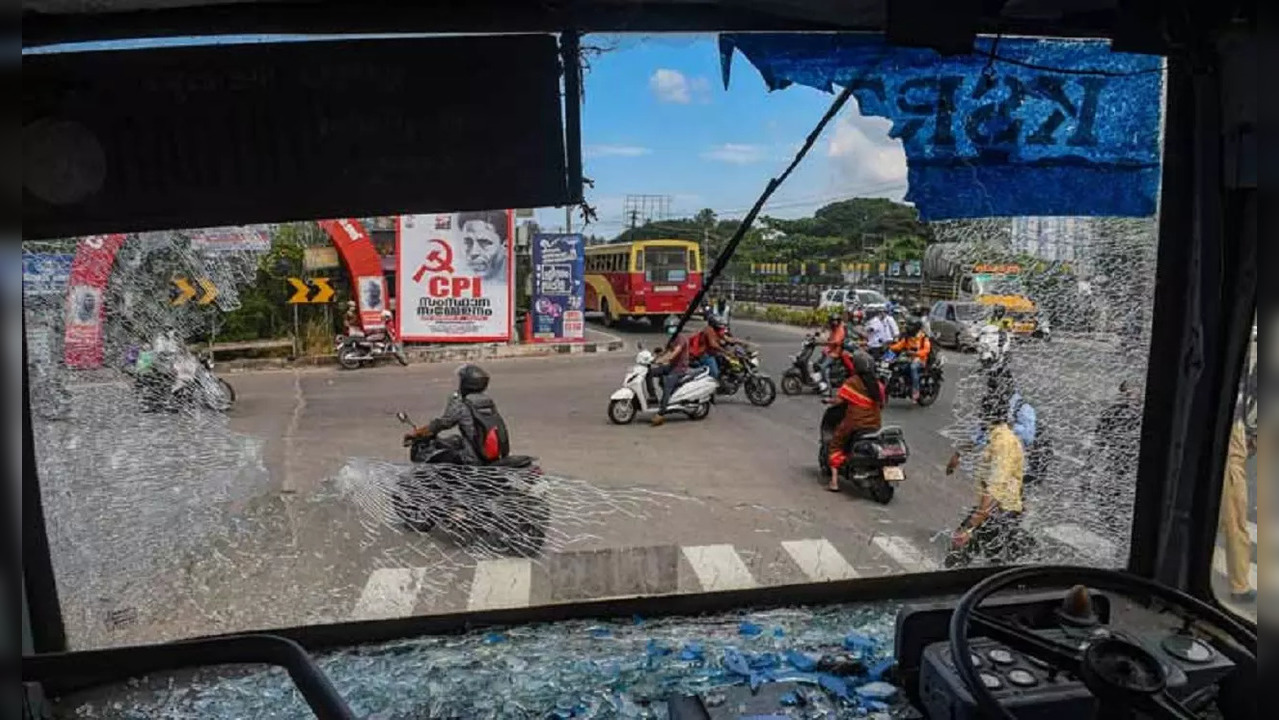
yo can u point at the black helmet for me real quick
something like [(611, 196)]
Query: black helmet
[(862, 362), (471, 378), (914, 327), (834, 319), (998, 312)]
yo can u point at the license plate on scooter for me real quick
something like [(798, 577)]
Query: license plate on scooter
[(893, 473)]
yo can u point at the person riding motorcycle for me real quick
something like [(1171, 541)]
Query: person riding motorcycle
[(916, 345), (834, 348), (481, 431), (993, 528), (879, 332), (351, 320), (864, 397), (671, 365), (706, 346)]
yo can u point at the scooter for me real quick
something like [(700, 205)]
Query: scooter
[(874, 462), (502, 503), (640, 393), (803, 376)]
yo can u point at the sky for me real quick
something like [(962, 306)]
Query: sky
[(658, 120)]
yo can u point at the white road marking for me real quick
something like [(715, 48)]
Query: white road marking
[(502, 583), (718, 567), (1082, 539), (1219, 567), (819, 560), (904, 553), (389, 593)]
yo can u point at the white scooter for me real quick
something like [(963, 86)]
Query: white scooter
[(641, 393)]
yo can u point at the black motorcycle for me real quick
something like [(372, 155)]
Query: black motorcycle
[(739, 368), (803, 376), (874, 462), (505, 506), (894, 370)]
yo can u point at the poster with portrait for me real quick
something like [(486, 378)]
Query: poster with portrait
[(559, 288), (454, 279)]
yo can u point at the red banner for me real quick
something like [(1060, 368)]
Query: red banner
[(85, 311), (368, 283)]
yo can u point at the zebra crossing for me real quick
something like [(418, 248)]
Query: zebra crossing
[(499, 583)]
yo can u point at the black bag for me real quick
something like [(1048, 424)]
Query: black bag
[(492, 441)]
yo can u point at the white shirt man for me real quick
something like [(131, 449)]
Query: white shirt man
[(891, 323), (878, 332)]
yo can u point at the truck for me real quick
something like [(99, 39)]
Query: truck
[(951, 272)]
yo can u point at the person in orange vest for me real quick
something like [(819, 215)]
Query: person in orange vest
[(917, 346), (864, 396), (834, 348)]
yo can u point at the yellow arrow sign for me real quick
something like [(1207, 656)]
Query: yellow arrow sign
[(186, 290), (210, 291), (301, 290), (325, 290)]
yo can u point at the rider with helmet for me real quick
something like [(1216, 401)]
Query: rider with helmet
[(706, 346), (864, 396), (482, 435), (917, 346), (671, 366)]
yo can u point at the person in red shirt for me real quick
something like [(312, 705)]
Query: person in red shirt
[(834, 349), (863, 395)]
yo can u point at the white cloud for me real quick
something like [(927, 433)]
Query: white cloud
[(597, 151), (673, 86), (863, 155), (736, 153)]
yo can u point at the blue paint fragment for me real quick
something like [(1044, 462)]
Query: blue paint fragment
[(656, 649), (876, 705), (779, 632), (692, 652), (856, 642), (735, 663), (601, 632), (876, 671), (764, 661), (636, 619), (749, 629), (877, 690), (834, 685), (800, 661), (792, 699), (494, 638)]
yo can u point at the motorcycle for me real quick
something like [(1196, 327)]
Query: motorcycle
[(641, 393), (739, 368), (507, 506), (356, 350), (168, 381), (803, 376), (214, 392), (894, 370), (874, 462)]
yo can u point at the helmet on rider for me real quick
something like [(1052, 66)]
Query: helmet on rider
[(834, 320), (386, 314), (998, 312), (914, 327), (471, 378), (672, 324), (858, 316), (990, 350)]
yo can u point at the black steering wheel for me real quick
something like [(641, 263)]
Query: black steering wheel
[(1121, 674)]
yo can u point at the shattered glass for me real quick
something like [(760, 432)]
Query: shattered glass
[(1097, 294), (837, 658)]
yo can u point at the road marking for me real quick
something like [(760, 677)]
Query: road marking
[(718, 567), (389, 593), (904, 553), (1219, 567), (502, 583), (819, 560), (1082, 539)]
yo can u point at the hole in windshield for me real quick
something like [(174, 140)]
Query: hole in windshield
[(216, 410)]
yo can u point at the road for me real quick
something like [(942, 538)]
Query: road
[(173, 526)]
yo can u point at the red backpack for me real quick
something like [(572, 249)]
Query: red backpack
[(493, 441)]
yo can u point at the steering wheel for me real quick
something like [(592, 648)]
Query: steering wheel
[(1120, 673)]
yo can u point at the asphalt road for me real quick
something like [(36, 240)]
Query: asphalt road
[(173, 526)]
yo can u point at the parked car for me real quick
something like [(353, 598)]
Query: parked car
[(957, 323)]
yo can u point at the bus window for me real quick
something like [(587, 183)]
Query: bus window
[(666, 264), (638, 261)]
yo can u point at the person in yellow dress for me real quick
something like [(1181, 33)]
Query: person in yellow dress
[(993, 528)]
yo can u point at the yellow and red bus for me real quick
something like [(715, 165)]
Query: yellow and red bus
[(642, 278)]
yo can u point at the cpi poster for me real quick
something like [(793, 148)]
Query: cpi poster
[(454, 277), (558, 288)]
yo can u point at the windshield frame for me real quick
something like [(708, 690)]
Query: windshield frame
[(1188, 267)]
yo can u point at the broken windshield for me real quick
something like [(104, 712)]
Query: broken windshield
[(217, 410)]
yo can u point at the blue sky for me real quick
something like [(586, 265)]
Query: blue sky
[(658, 120)]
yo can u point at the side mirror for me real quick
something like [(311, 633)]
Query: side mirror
[(639, 344), (403, 417)]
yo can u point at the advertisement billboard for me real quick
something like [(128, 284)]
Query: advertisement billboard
[(85, 315), (46, 273), (559, 288), (454, 280)]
